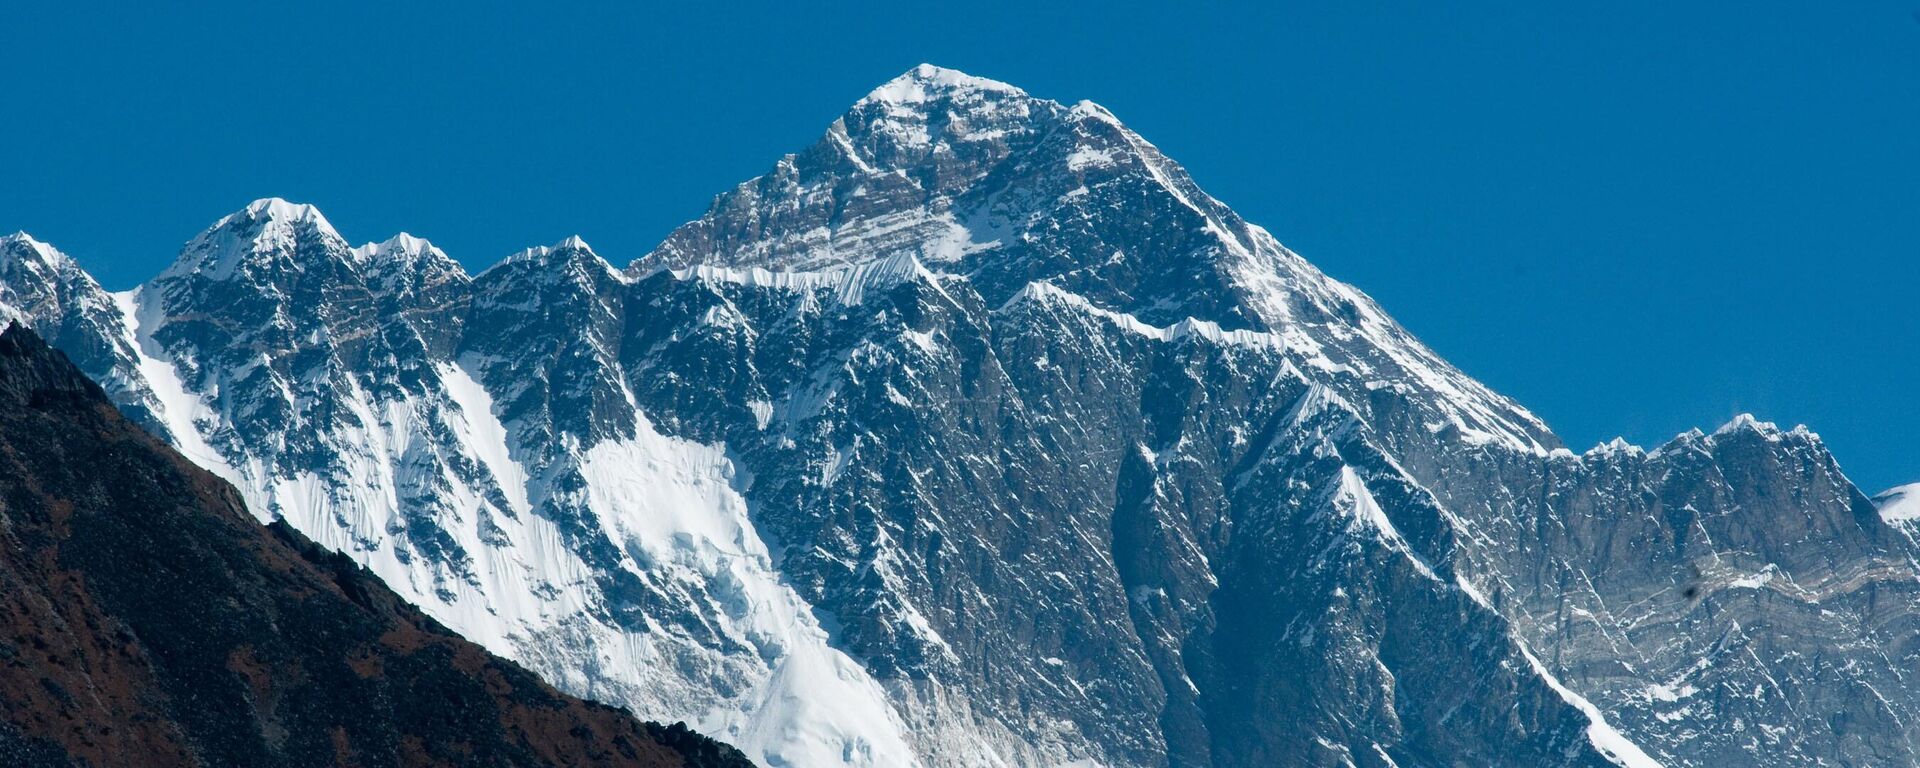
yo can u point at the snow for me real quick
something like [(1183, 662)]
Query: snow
[(402, 244), (224, 249), (1766, 429), (847, 285), (1899, 504), (1089, 157), (1756, 580), (1354, 497), (1615, 447), (1613, 744), (43, 253), (480, 429), (182, 411), (1048, 293), (926, 82), (545, 253), (674, 499), (1670, 693)]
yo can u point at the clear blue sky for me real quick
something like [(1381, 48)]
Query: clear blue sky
[(1633, 217)]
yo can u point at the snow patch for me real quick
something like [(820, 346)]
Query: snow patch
[(1613, 744), (1899, 504), (926, 82), (675, 500), (480, 430), (182, 411)]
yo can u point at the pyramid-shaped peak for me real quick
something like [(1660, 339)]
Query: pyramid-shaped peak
[(275, 209), (269, 228), (29, 266), (21, 246), (266, 219), (1747, 422), (21, 238), (927, 82), (400, 245), (573, 250)]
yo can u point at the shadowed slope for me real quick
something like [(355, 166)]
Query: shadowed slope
[(146, 618)]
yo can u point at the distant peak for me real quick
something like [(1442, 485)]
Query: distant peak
[(278, 209), (21, 248), (270, 225), (271, 215), (1746, 422), (927, 82), (402, 244), (569, 251), (22, 240), (570, 243), (1616, 446), (1085, 109)]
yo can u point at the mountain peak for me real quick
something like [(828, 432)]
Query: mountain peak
[(400, 247), (36, 278), (1615, 447), (277, 210), (405, 263), (927, 82), (570, 251), (21, 238), (270, 227), (1746, 422), (22, 249)]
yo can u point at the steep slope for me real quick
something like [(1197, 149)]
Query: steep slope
[(978, 434), (148, 617), (43, 287), (977, 178), (1730, 597)]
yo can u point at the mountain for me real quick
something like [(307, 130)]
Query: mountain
[(148, 619), (976, 433)]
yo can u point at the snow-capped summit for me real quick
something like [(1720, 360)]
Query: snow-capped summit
[(46, 289), (973, 178), (21, 247), (571, 258), (402, 244), (1747, 421), (927, 82), (276, 209), (267, 237), (36, 278)]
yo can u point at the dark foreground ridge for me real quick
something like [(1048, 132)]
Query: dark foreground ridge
[(147, 619)]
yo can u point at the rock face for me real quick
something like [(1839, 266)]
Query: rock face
[(977, 434), (148, 619)]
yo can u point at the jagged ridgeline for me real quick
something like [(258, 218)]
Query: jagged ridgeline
[(977, 434)]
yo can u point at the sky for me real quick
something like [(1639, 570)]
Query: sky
[(1634, 218)]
